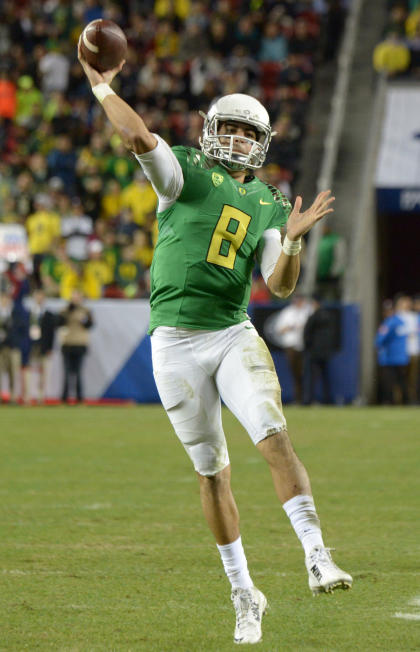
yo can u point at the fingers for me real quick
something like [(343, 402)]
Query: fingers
[(322, 198), (297, 205), (322, 204)]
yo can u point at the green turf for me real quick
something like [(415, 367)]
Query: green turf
[(103, 546)]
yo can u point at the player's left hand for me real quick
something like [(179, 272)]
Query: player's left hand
[(94, 76), (300, 223)]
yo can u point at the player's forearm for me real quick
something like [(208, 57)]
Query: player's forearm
[(283, 280), (128, 124)]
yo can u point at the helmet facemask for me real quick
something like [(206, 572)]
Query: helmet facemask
[(222, 146)]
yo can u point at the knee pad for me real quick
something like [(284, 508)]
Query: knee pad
[(207, 458)]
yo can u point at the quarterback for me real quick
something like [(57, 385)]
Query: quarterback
[(215, 219)]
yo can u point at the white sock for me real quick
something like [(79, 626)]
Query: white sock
[(235, 564), (303, 517)]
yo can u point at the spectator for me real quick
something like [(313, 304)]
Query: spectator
[(413, 20), (9, 214), (391, 56), (111, 251), (246, 34), (28, 97), (166, 40), (125, 227), (54, 68), (76, 228), (71, 279), (8, 98), (18, 281), (119, 166), (320, 343), (140, 197), (62, 162), (397, 20), (192, 41), (393, 358), (111, 200), (303, 41), (129, 275), (76, 321), (331, 264), (53, 267), (92, 11), (41, 333), (9, 360), (43, 227), (416, 306), (96, 272), (410, 319), (273, 44), (143, 250), (218, 36), (413, 43), (39, 170), (14, 326), (24, 190), (287, 331), (91, 187)]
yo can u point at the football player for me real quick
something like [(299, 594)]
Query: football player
[(215, 219)]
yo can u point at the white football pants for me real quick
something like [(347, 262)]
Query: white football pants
[(194, 369)]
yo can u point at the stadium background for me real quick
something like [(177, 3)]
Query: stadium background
[(340, 82)]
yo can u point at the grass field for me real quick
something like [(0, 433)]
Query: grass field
[(103, 546)]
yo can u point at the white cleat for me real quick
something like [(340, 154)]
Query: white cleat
[(324, 575), (250, 606)]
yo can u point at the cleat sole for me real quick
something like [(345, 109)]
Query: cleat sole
[(345, 586)]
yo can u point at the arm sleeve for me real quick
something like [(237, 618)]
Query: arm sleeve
[(164, 172), (268, 252)]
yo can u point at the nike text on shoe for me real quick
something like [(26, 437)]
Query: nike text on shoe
[(250, 606), (324, 575)]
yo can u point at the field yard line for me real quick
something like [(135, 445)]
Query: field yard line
[(399, 614), (415, 602)]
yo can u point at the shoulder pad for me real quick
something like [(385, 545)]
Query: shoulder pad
[(278, 196)]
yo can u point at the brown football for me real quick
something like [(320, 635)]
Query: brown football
[(103, 44)]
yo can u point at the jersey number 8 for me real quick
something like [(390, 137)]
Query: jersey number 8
[(228, 235)]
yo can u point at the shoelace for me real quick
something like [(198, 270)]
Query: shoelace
[(244, 603), (322, 556)]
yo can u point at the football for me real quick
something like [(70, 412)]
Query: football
[(103, 44)]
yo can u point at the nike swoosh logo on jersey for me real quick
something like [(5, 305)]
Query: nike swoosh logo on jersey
[(265, 203)]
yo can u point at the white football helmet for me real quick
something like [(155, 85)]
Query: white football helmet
[(237, 108)]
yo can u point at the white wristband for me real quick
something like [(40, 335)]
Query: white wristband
[(291, 247), (101, 91)]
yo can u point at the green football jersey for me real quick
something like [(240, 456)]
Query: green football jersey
[(202, 266)]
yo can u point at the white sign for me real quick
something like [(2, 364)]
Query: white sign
[(399, 154), (13, 243)]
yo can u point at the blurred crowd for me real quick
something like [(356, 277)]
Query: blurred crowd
[(307, 331), (398, 53), (398, 351), (88, 211)]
